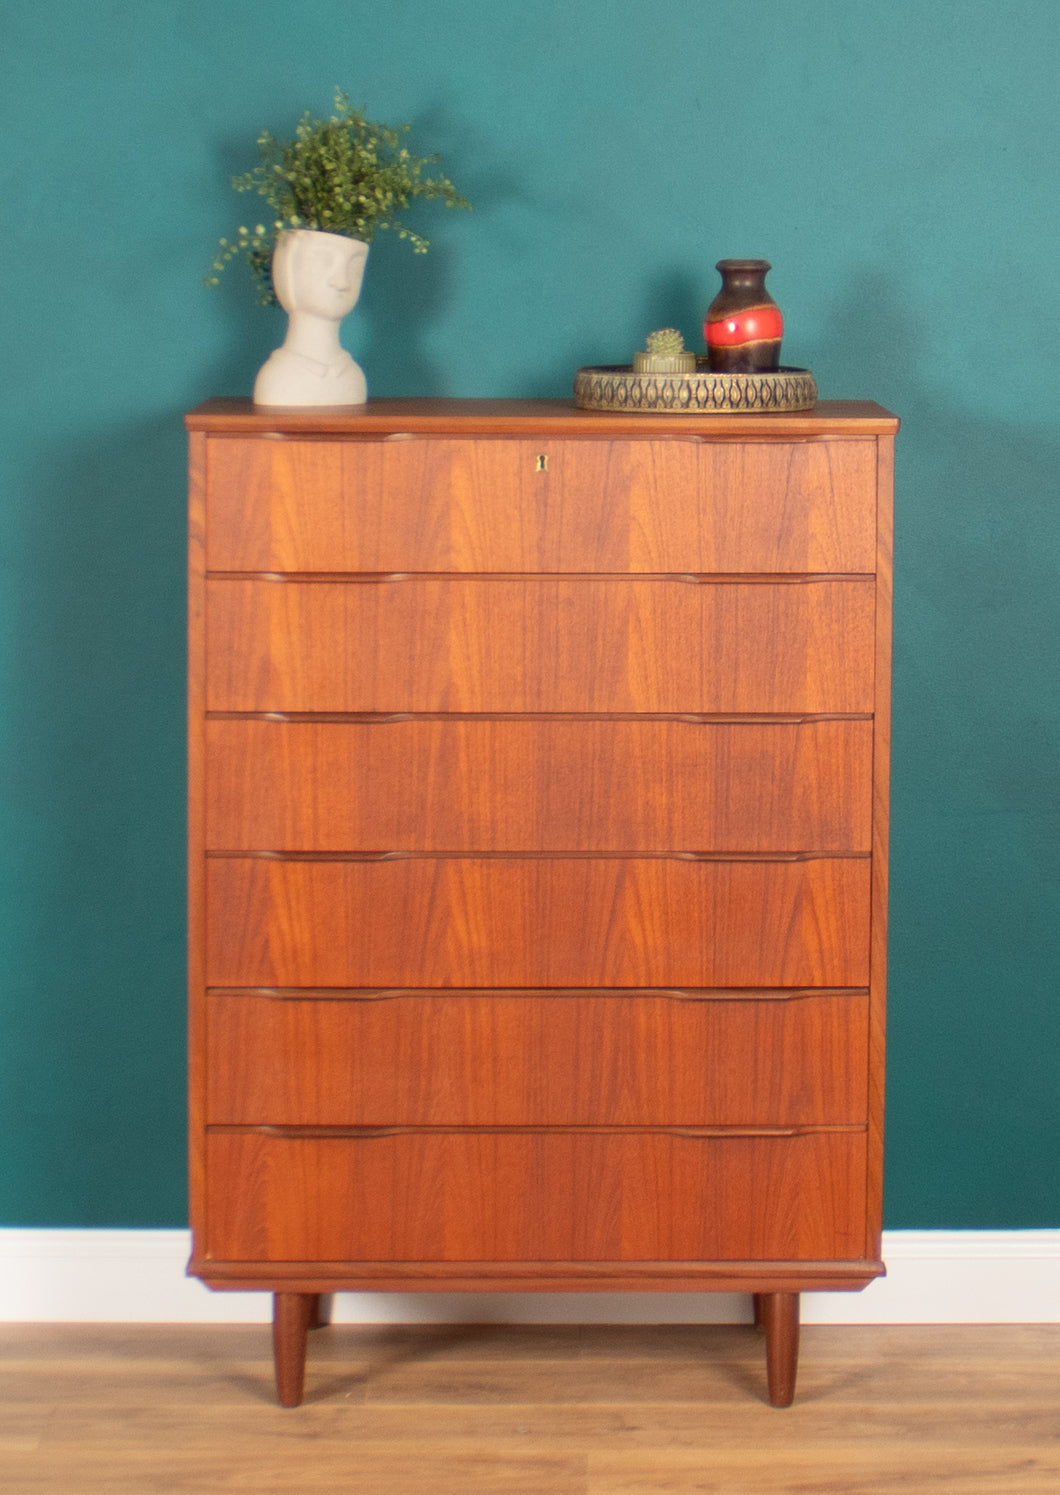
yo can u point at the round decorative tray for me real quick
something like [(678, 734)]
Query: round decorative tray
[(617, 387)]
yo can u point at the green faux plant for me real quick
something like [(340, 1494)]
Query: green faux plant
[(343, 175)]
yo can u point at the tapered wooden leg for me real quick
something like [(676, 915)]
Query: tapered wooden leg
[(320, 1311), (780, 1314), (756, 1299), (290, 1320)]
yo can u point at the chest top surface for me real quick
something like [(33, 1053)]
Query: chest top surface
[(515, 417)]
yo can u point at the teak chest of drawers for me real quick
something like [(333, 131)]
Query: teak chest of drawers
[(538, 859)]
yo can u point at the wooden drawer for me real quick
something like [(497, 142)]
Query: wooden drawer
[(547, 504), (545, 1196), (538, 785), (418, 643), (593, 921), (536, 1059)]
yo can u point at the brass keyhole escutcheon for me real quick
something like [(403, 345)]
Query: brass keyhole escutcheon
[(542, 462)]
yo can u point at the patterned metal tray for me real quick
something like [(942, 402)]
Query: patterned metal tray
[(617, 387)]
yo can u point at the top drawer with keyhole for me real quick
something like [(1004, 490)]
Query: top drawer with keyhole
[(564, 505)]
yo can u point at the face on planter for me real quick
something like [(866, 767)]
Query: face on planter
[(324, 275)]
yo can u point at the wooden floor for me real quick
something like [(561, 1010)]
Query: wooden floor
[(534, 1411)]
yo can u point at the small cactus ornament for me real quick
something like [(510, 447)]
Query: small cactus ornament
[(665, 354), (667, 340)]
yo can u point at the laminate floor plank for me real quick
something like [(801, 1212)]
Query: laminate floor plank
[(497, 1410), (22, 1427)]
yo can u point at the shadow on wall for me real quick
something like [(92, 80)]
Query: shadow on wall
[(974, 1104), (396, 310)]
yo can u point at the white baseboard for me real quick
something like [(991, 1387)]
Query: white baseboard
[(137, 1276)]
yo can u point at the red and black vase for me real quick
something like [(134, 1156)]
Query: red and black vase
[(744, 327)]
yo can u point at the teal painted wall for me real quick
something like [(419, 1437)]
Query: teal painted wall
[(898, 164)]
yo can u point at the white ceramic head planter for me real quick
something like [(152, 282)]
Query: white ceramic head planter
[(317, 279)]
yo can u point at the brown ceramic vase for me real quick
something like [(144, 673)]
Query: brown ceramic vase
[(743, 326)]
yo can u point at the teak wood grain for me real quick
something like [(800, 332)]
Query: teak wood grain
[(501, 1058), (538, 643), (537, 852), (881, 789), (473, 921), (526, 786), (448, 504), (232, 415), (508, 1196)]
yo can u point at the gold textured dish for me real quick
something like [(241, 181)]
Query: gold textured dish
[(617, 387)]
